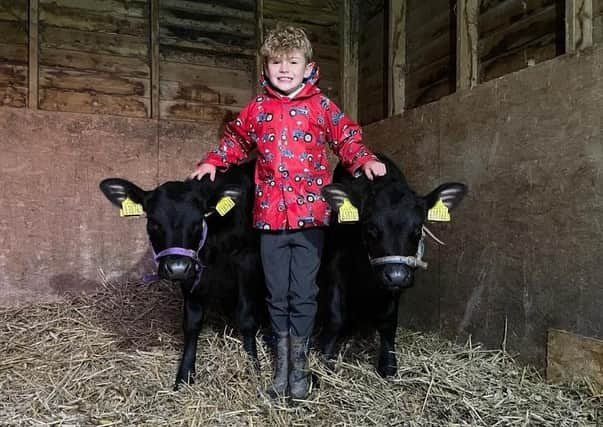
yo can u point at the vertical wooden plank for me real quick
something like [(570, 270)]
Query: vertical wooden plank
[(32, 98), (467, 70), (349, 31), (396, 56), (154, 53), (259, 35), (578, 25)]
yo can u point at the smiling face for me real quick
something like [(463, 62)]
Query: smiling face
[(287, 71)]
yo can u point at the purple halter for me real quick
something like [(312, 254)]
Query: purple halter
[(175, 250)]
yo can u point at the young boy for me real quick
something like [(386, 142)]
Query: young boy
[(291, 125)]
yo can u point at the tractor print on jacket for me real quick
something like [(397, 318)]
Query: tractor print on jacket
[(291, 136)]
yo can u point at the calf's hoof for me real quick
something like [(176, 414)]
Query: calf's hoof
[(181, 379), (387, 367)]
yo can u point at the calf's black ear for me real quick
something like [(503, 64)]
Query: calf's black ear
[(335, 194), (117, 190), (451, 194)]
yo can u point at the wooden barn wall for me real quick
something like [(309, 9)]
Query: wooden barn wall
[(320, 20), (430, 52), (523, 250), (207, 58), (598, 21), (514, 34), (93, 56), (59, 233), (13, 53), (371, 63)]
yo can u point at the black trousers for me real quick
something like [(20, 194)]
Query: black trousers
[(291, 260)]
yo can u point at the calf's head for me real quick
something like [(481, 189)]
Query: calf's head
[(176, 220), (391, 219)]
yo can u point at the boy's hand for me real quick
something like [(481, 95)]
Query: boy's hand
[(202, 170), (373, 168)]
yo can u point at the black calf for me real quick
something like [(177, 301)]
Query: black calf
[(367, 264), (212, 257)]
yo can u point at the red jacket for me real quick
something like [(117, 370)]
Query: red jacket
[(291, 136)]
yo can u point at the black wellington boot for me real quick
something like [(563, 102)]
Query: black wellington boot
[(280, 380), (299, 376)]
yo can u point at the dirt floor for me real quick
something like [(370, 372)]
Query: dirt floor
[(110, 359)]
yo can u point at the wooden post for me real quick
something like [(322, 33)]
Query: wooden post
[(467, 15), (396, 66), (259, 37), (578, 25), (32, 89), (155, 59), (349, 58)]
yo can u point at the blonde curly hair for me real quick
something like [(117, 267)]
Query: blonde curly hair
[(283, 39)]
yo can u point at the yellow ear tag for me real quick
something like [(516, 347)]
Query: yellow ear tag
[(439, 212), (224, 205), (130, 208), (348, 212)]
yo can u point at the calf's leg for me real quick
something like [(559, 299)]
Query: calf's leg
[(333, 324), (247, 312), (193, 316), (387, 325)]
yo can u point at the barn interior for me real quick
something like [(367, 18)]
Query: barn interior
[(503, 95)]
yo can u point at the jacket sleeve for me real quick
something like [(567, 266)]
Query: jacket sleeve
[(238, 140), (345, 139)]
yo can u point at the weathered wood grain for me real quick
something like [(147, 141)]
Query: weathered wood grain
[(83, 41), (498, 16), (578, 25), (13, 32), (84, 102), (15, 54), (187, 91), (521, 33), (33, 55), (11, 10), (102, 63), (94, 82), (312, 11), (209, 76), (428, 51), (240, 10), (349, 27), (13, 75), (194, 56), (129, 8), (194, 111), (174, 38), (243, 29), (13, 96), (537, 51), (396, 65), (155, 58), (85, 20), (467, 70)]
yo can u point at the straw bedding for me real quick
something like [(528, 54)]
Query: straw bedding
[(110, 359)]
